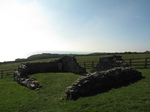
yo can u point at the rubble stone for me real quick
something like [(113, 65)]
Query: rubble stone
[(110, 72), (64, 64), (26, 81), (109, 62)]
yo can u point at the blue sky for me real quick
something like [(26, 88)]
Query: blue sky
[(34, 26)]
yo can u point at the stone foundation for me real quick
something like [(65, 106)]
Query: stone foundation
[(101, 81), (64, 64), (26, 81), (111, 71), (109, 62)]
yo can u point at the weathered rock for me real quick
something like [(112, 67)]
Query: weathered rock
[(102, 80), (110, 71), (64, 64), (109, 62), (26, 81)]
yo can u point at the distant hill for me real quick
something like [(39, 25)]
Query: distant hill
[(109, 53), (44, 56), (50, 55), (35, 57)]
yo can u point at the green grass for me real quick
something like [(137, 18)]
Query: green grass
[(79, 59), (21, 99), (15, 65), (96, 58), (16, 98)]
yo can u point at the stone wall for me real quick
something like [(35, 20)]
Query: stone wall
[(110, 71), (101, 81), (31, 83), (64, 64), (109, 62)]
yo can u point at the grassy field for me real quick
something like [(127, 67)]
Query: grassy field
[(79, 59), (140, 64), (15, 65), (96, 58), (16, 98)]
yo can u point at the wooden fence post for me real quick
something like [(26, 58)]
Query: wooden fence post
[(130, 61), (92, 64), (84, 65), (2, 74), (145, 62)]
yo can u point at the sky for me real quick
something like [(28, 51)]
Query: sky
[(40, 26)]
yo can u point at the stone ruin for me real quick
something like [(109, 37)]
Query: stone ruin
[(64, 64), (109, 62), (110, 72), (31, 83)]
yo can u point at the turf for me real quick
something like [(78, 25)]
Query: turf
[(15, 98)]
